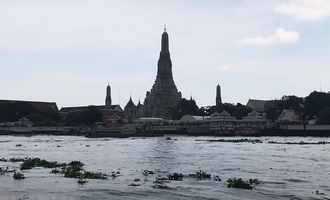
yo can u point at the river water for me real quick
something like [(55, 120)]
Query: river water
[(286, 171)]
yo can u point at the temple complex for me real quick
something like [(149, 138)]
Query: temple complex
[(162, 99)]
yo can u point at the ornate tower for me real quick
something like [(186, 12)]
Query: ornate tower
[(218, 98), (130, 110), (108, 97), (164, 96)]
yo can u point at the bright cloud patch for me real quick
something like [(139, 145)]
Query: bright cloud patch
[(305, 9), (279, 37)]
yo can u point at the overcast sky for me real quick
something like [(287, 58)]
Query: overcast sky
[(68, 50)]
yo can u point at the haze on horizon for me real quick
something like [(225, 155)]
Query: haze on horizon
[(67, 51)]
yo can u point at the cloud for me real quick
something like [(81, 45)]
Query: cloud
[(279, 37), (225, 68), (229, 68), (309, 10)]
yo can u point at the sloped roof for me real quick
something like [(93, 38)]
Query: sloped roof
[(259, 105), (38, 105), (82, 108), (130, 104)]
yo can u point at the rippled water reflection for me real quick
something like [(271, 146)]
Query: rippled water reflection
[(286, 171)]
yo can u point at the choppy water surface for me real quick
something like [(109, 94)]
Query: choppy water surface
[(286, 171)]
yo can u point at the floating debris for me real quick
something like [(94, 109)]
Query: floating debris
[(115, 174), (134, 184), (17, 159), (137, 180), (6, 170), (245, 140), (161, 180), (82, 181), (161, 186), (147, 172), (317, 192), (18, 176), (175, 177), (55, 171), (300, 143), (217, 178), (19, 145)]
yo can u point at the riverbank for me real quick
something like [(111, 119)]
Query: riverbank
[(121, 132)]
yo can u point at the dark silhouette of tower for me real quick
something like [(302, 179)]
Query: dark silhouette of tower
[(108, 97), (218, 98), (164, 96)]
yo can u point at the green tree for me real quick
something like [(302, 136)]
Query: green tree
[(186, 107), (324, 116)]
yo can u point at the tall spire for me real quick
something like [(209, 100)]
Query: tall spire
[(162, 99), (165, 46), (218, 98), (164, 62), (108, 96), (130, 102)]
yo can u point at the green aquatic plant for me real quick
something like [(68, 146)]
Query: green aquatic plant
[(75, 170), (77, 165), (17, 159), (254, 181), (241, 184), (175, 177), (55, 171), (82, 181), (200, 175), (94, 175), (30, 163), (72, 171)]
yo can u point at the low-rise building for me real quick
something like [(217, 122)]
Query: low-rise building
[(289, 116), (259, 105), (193, 118)]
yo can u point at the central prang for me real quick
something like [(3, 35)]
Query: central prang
[(164, 96)]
